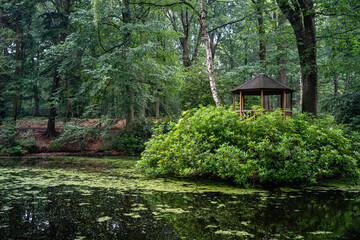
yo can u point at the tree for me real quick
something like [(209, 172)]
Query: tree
[(56, 23), (209, 59), (301, 15)]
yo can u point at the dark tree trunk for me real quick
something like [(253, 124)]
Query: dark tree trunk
[(336, 87), (347, 78), (17, 68), (281, 58), (186, 21), (5, 80), (157, 114), (36, 100), (261, 31), (143, 100), (259, 4), (50, 130), (301, 15), (126, 15)]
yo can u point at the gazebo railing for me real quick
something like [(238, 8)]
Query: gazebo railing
[(251, 113)]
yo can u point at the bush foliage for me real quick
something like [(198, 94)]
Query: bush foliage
[(131, 140), (213, 142), (13, 144)]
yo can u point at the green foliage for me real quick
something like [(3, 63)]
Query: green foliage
[(213, 142), (11, 143), (130, 140), (74, 134)]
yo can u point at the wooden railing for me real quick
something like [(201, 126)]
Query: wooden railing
[(250, 113)]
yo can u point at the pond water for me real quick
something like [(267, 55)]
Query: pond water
[(88, 198)]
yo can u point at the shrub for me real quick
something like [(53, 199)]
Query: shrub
[(214, 142), (74, 134), (11, 143), (130, 140)]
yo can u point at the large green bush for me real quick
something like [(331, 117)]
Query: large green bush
[(214, 142)]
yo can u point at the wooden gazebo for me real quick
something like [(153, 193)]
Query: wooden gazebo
[(263, 85)]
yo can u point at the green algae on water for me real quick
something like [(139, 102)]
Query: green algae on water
[(104, 219)]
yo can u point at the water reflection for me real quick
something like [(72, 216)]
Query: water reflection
[(62, 211)]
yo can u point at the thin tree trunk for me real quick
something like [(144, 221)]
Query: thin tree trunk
[(157, 115), (3, 84), (300, 89), (36, 100), (17, 68), (142, 103), (347, 78), (336, 87), (209, 55), (69, 111)]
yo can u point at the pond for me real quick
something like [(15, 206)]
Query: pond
[(98, 198)]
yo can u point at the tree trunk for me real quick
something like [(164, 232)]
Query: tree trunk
[(281, 59), (143, 99), (261, 31), (347, 78), (3, 85), (336, 87), (302, 19), (50, 130), (157, 115), (209, 59), (300, 89), (36, 100), (17, 68)]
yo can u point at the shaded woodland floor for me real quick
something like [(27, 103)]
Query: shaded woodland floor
[(92, 144)]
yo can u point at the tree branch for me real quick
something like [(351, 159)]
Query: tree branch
[(224, 25)]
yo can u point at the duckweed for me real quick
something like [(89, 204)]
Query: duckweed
[(116, 202)]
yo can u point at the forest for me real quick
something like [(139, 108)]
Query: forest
[(131, 60), (118, 119)]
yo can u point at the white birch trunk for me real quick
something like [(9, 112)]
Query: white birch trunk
[(209, 59), (300, 90)]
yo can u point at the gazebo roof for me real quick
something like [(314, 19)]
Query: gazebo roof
[(264, 83)]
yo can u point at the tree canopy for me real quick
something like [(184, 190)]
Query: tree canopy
[(132, 59)]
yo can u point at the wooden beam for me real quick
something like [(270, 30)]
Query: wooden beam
[(243, 102), (284, 101), (233, 101), (284, 104), (262, 99), (240, 102), (291, 101)]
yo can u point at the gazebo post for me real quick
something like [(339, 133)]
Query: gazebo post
[(262, 99), (234, 101), (291, 103), (241, 102), (284, 103)]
